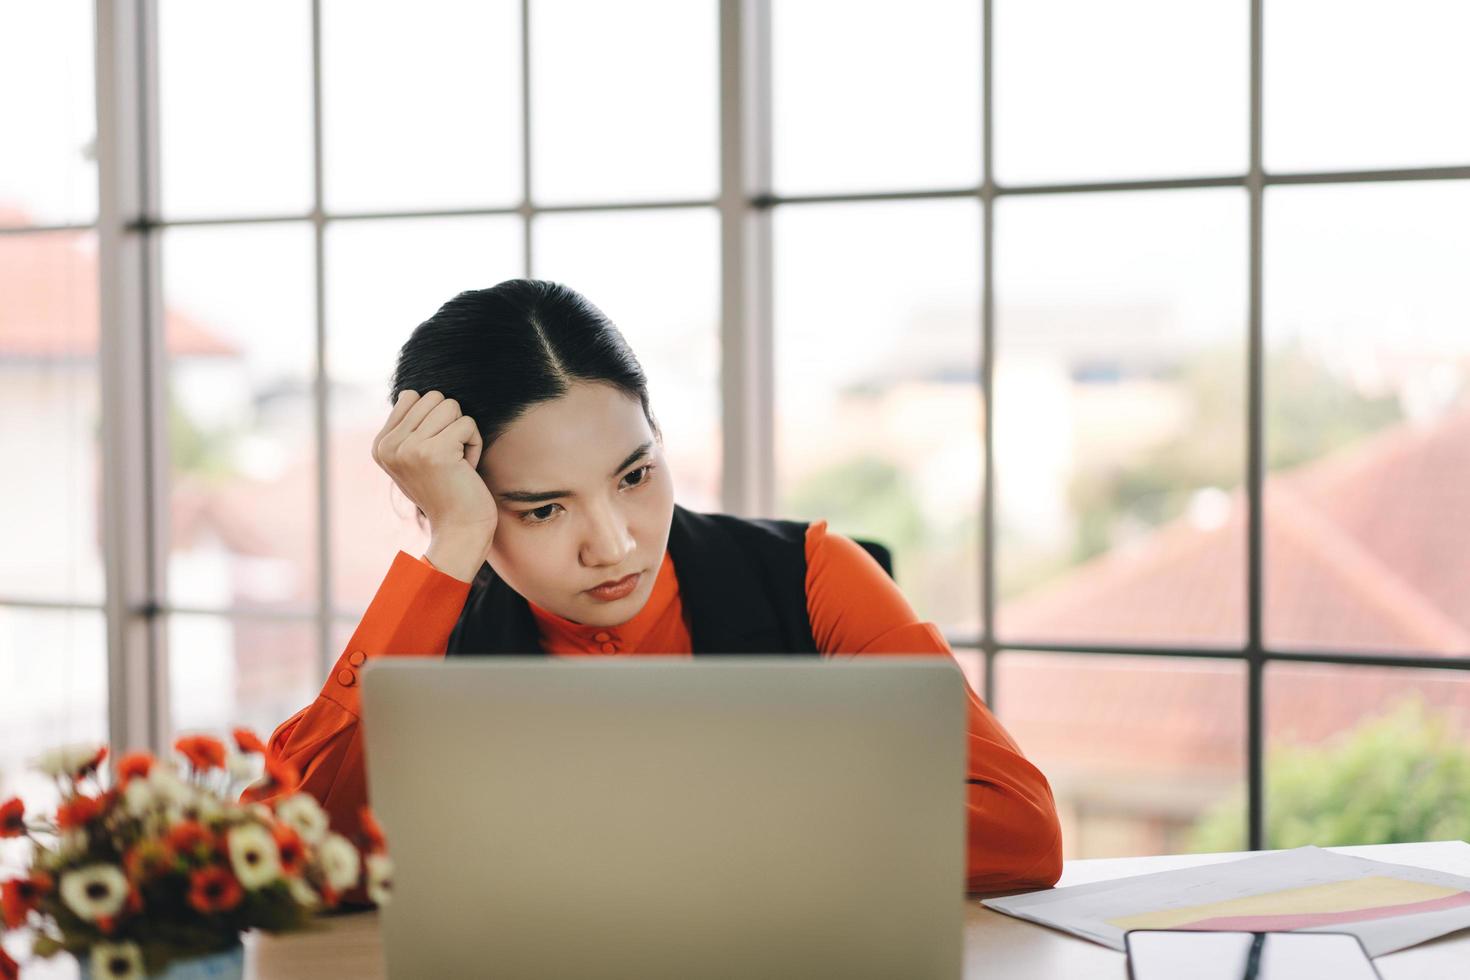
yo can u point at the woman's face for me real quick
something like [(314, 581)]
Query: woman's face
[(584, 501)]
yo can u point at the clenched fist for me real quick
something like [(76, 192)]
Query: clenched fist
[(430, 449)]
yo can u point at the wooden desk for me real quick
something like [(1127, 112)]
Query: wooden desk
[(995, 945)]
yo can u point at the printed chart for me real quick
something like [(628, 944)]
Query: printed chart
[(1336, 903), (1387, 906)]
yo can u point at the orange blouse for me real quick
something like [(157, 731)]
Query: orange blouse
[(854, 608)]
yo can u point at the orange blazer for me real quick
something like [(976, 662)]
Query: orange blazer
[(1014, 839)]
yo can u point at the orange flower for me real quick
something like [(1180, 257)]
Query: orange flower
[(19, 895), (291, 848), (13, 818), (135, 900), (148, 859), (248, 741), (372, 831), (132, 765), (214, 889), (77, 813), (191, 839), (202, 751)]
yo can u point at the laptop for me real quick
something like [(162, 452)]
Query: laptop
[(659, 818)]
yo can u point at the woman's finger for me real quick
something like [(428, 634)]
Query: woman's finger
[(440, 418), (417, 413), (469, 434), (405, 401)]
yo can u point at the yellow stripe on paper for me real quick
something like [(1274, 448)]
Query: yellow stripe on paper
[(1337, 896)]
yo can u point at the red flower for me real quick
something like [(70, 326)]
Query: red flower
[(148, 859), (9, 969), (78, 812), (214, 889), (19, 895), (280, 779), (132, 765), (135, 900), (248, 741), (13, 818), (372, 831), (291, 848), (202, 751), (189, 838)]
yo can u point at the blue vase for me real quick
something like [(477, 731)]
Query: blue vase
[(228, 964)]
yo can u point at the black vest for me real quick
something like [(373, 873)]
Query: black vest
[(742, 583)]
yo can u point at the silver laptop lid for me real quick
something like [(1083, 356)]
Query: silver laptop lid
[(714, 817)]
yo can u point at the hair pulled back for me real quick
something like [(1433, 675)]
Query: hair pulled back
[(501, 350)]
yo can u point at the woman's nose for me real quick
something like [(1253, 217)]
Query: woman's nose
[(609, 540)]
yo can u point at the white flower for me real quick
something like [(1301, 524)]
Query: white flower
[(302, 813), (199, 807), (254, 856), (96, 891), (305, 896), (167, 785), (117, 961), (71, 843), (340, 862), (242, 767), (66, 760), (138, 797), (380, 878)]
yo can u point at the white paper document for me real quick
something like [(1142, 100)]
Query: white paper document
[(1387, 906)]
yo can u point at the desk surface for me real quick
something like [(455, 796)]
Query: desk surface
[(995, 945)]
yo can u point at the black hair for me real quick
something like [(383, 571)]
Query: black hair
[(501, 350)]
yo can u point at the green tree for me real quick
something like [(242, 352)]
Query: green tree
[(1400, 776), (1309, 412)]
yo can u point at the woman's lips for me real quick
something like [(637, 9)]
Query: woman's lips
[(610, 591)]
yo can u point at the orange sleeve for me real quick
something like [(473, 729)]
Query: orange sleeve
[(412, 615), (1015, 839)]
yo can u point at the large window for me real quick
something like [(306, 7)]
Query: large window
[(1139, 334)]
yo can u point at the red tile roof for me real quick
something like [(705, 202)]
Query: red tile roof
[(48, 300)]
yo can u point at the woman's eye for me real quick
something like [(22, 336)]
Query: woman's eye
[(540, 515), (638, 476)]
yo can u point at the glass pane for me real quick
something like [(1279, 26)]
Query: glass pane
[(877, 387), (1120, 417), (1145, 755), (1353, 84), (53, 692), (241, 342), (624, 100), (383, 279), (227, 672), (657, 275), (47, 111), (874, 96), (1367, 311), (442, 129), (49, 417), (1132, 89), (235, 139), (1366, 755)]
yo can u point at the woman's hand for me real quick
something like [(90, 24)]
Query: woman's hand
[(430, 449)]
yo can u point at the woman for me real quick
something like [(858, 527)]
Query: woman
[(521, 429)]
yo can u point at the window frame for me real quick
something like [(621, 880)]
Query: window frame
[(134, 442)]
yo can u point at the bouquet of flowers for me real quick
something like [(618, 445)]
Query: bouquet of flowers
[(165, 865)]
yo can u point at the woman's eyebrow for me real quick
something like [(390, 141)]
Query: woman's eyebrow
[(632, 458), (541, 496)]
